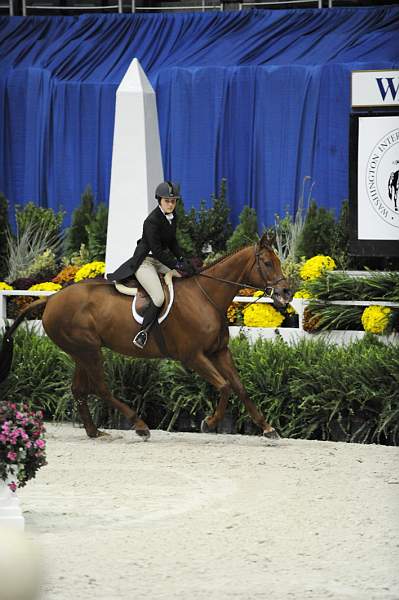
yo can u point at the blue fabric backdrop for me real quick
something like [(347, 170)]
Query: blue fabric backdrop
[(259, 97)]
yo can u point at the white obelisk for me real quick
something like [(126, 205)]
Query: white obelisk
[(136, 164)]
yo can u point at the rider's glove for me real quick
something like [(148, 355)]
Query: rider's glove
[(185, 268)]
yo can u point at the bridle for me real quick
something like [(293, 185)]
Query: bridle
[(268, 289)]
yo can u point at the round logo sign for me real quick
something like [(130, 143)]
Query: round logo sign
[(382, 178)]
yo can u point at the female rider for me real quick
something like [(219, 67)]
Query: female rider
[(151, 256)]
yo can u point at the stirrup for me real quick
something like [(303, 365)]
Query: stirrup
[(140, 339)]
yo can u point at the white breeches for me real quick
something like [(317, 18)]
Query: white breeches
[(147, 275)]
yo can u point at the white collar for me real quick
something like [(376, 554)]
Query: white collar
[(169, 216)]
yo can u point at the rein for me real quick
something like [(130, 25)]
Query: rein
[(243, 284), (224, 317), (268, 290)]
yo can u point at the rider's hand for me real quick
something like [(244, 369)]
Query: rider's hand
[(185, 268)]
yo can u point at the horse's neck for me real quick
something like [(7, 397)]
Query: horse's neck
[(232, 268)]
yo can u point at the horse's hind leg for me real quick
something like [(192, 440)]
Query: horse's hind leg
[(80, 390), (93, 364), (225, 364)]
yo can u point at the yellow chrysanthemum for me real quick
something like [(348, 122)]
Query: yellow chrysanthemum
[(5, 286), (375, 319), (302, 294), (47, 286), (90, 270), (262, 315), (315, 266)]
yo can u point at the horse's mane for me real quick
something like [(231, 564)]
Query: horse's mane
[(224, 257)]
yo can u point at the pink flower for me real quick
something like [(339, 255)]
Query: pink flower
[(11, 456), (40, 443), (12, 486)]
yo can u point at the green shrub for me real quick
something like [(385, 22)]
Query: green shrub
[(340, 238), (246, 231), (82, 216), (40, 375), (217, 221), (200, 228), (183, 391), (32, 218), (184, 227), (43, 267), (97, 233), (311, 389), (317, 234), (4, 234), (32, 250), (136, 382)]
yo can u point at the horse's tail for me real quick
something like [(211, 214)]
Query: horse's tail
[(6, 349)]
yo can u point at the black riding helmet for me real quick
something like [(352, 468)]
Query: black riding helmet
[(166, 189)]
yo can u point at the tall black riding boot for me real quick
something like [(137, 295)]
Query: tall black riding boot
[(150, 316)]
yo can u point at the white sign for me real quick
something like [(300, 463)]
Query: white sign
[(375, 88), (378, 178)]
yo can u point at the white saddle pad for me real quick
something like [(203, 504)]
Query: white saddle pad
[(123, 289)]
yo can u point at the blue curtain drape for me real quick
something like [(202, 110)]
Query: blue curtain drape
[(261, 98)]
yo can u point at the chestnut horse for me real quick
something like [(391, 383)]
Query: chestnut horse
[(83, 317)]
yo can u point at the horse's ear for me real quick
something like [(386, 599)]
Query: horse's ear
[(268, 239)]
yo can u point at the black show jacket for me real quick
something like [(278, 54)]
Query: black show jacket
[(159, 235)]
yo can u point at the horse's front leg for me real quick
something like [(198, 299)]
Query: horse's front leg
[(203, 366), (224, 363)]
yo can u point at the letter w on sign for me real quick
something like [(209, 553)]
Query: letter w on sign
[(386, 84)]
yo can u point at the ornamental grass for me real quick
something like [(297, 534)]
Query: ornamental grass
[(312, 389), (341, 286)]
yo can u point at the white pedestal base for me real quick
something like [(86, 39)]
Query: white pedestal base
[(10, 510)]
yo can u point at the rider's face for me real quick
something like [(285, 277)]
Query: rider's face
[(168, 205)]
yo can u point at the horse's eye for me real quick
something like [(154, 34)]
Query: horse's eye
[(267, 263)]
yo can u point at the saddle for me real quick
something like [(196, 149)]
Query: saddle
[(131, 287)]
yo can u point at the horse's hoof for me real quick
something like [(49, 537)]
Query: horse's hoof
[(102, 434), (205, 427), (271, 435), (144, 434), (108, 437)]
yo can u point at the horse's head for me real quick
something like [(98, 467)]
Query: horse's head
[(266, 273)]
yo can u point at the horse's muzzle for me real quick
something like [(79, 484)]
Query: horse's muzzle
[(282, 296)]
